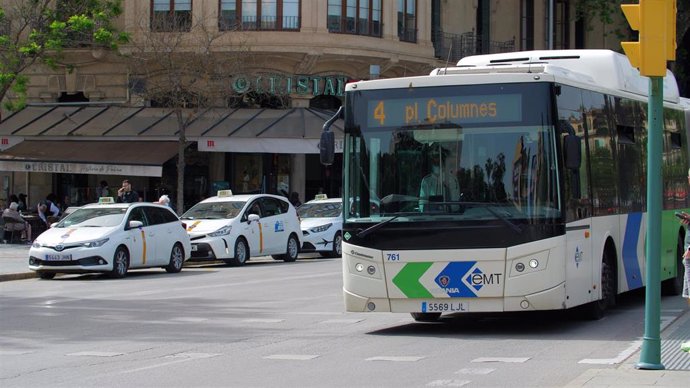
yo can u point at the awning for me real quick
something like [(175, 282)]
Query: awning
[(130, 158), (292, 130)]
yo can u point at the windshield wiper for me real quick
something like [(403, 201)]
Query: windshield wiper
[(375, 227), (502, 217)]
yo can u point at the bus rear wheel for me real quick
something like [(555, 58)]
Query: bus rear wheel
[(426, 317), (674, 286)]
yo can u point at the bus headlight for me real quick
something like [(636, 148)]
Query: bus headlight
[(359, 267)]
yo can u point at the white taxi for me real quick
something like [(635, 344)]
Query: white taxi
[(234, 228), (112, 238), (322, 224)]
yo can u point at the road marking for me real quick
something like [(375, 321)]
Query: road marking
[(622, 356), (396, 358), (448, 383), (95, 354), (475, 371), (190, 319), (192, 355), (501, 359), (14, 352), (263, 320), (179, 358), (297, 357)]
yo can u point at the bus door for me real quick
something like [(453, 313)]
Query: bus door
[(575, 177)]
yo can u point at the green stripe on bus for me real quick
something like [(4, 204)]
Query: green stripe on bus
[(407, 280)]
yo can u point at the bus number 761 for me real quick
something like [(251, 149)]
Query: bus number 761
[(393, 256)]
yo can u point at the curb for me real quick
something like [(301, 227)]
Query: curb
[(18, 276)]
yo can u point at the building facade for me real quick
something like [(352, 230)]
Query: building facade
[(283, 65)]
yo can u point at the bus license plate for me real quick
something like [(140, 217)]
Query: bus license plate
[(446, 307), (58, 257)]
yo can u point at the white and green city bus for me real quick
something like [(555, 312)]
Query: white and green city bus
[(510, 182)]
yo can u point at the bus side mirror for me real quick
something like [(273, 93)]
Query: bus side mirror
[(327, 143), (327, 148)]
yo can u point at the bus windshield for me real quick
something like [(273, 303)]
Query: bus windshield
[(451, 153)]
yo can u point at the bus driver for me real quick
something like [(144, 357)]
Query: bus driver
[(439, 185)]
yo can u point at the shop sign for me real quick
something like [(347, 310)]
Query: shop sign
[(80, 168), (280, 84), (275, 146), (7, 142)]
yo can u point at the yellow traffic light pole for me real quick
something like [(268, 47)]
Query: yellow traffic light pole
[(656, 22)]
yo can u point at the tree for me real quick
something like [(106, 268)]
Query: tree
[(183, 63), (34, 31), (608, 12)]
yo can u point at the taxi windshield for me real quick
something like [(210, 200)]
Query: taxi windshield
[(319, 210), (93, 217), (214, 210)]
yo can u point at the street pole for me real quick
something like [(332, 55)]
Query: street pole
[(650, 355)]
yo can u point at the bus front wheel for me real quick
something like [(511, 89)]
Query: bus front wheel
[(597, 309), (426, 317)]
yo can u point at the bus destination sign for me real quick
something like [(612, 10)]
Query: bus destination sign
[(443, 110)]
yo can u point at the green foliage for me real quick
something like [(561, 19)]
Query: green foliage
[(40, 30)]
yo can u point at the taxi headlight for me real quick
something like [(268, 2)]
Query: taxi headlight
[(36, 244), (321, 228), (95, 243), (224, 231)]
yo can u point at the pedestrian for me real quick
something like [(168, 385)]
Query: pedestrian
[(19, 225), (22, 202), (102, 190), (294, 199), (48, 212), (126, 194), (164, 200), (685, 346)]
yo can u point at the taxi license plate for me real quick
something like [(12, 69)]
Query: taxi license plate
[(194, 248), (58, 257), (445, 307)]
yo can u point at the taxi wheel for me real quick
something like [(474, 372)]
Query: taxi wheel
[(120, 263), (337, 245), (46, 275), (176, 259), (292, 249), (241, 253)]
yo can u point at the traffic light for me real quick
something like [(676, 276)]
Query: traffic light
[(656, 22)]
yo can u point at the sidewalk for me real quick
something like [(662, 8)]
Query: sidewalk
[(675, 362), (14, 262), (14, 266)]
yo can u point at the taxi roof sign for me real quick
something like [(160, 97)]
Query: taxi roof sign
[(320, 197), (105, 200), (225, 193)]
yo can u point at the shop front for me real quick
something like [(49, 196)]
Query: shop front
[(69, 150)]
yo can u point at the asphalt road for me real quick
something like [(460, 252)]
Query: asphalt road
[(275, 324)]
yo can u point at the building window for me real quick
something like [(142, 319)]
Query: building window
[(407, 20), (171, 15), (527, 25), (359, 17), (254, 15), (561, 30)]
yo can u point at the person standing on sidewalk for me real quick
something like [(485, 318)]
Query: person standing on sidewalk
[(685, 346), (126, 194)]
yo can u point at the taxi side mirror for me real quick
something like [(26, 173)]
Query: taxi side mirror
[(134, 224), (253, 217)]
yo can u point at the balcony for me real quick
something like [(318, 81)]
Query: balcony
[(407, 34), (453, 47), (264, 23)]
